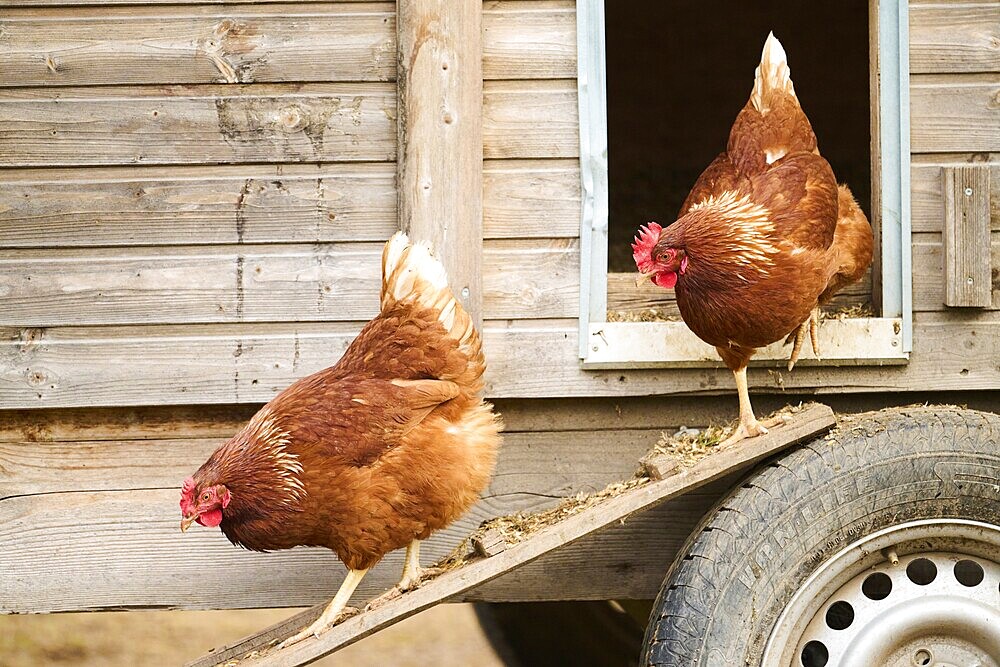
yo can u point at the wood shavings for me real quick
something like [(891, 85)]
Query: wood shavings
[(644, 315)]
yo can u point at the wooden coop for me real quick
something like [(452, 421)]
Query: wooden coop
[(194, 198)]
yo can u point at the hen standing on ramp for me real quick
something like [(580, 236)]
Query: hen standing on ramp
[(765, 236), (372, 454)]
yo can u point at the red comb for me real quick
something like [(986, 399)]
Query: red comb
[(187, 490), (642, 246)]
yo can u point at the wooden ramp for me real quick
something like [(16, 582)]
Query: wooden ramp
[(259, 649)]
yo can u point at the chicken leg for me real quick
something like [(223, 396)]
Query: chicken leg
[(749, 426), (412, 573), (333, 612), (800, 335), (411, 568)]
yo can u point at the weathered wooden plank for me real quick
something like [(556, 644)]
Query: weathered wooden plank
[(529, 40), (809, 423), (258, 283), (110, 366), (181, 124), (929, 280), (263, 204), (262, 123), (967, 236), (261, 43), (927, 202), (530, 119), (181, 206), (954, 114), (623, 295), (237, 44), (75, 3), (531, 198), (440, 137), (954, 38)]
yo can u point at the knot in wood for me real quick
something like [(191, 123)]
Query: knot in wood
[(37, 377), (291, 118)]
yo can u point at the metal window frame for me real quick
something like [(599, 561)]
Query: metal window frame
[(861, 341)]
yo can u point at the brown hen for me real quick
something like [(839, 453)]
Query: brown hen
[(375, 453), (764, 237)]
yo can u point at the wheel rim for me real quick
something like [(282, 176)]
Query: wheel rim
[(922, 594)]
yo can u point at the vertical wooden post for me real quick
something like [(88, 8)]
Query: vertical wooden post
[(440, 149), (967, 236)]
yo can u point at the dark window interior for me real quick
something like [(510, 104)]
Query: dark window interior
[(679, 72)]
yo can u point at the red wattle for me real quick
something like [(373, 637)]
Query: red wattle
[(665, 279), (210, 518)]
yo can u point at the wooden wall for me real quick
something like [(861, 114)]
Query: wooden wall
[(195, 196), (169, 237)]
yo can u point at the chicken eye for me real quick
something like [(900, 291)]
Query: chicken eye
[(206, 495)]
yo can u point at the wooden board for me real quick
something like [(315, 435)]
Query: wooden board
[(954, 114), (198, 124), (259, 283), (261, 123), (927, 201), (530, 119), (929, 277), (858, 341), (440, 138), (957, 38), (529, 40), (237, 44), (809, 423), (967, 236), (117, 206), (181, 364), (261, 43)]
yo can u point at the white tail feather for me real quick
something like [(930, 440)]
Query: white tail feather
[(771, 75), (411, 274)]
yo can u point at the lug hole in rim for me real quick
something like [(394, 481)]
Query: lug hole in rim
[(922, 657), (840, 615), (969, 573), (877, 586), (921, 571), (814, 654)]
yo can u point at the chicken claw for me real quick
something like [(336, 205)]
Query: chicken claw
[(799, 337), (335, 612)]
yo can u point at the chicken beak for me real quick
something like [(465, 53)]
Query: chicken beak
[(187, 521), (643, 278)]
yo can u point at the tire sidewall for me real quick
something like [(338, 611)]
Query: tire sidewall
[(740, 568)]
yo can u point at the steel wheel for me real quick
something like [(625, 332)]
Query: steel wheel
[(921, 594)]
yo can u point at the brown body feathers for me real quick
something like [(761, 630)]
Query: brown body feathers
[(387, 446), (767, 232)]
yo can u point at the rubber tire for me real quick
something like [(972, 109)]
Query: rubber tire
[(579, 633), (721, 597)]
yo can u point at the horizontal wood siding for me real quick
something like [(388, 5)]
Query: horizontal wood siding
[(959, 38), (55, 208), (198, 124), (260, 283), (950, 114), (955, 121), (132, 365), (312, 42), (241, 44)]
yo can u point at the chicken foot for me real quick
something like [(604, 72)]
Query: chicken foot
[(412, 574), (334, 612), (800, 335), (749, 426)]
